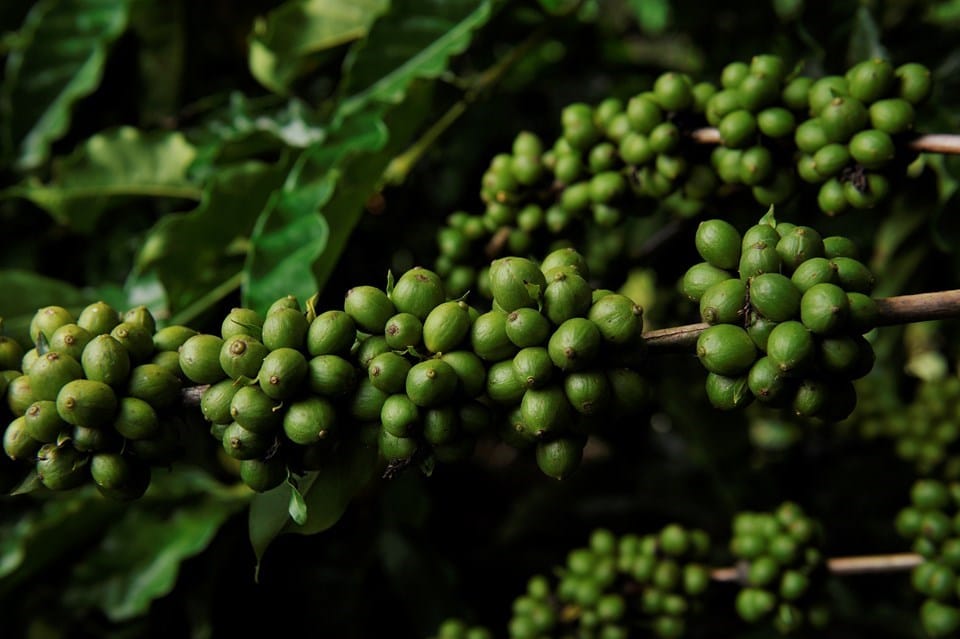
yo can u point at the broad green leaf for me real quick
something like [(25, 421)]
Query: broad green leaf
[(160, 31), (23, 292), (48, 529), (291, 234), (109, 166), (285, 42), (364, 171), (191, 252), (326, 494), (414, 39), (58, 58), (246, 127), (138, 557)]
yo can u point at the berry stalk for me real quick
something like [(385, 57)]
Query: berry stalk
[(900, 309)]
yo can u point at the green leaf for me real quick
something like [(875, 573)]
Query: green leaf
[(191, 252), (365, 171), (297, 507), (109, 166), (58, 58), (23, 292), (47, 530), (326, 493), (138, 557), (286, 41), (414, 39), (291, 234)]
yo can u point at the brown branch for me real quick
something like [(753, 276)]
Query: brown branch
[(891, 310), (859, 565), (190, 395), (931, 143)]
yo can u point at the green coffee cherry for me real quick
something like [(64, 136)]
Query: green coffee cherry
[(47, 320), (574, 344), (136, 339), (503, 385), (282, 372), (488, 335), (774, 296), (403, 331), (17, 442), (824, 308), (20, 394), (816, 270), (241, 356), (262, 475), (256, 411), (43, 423), (431, 382), (285, 328), (98, 318), (559, 457), (50, 372), (724, 302), (70, 339), (154, 385), (86, 403), (545, 411), (446, 326), (61, 467), (790, 346), (200, 359), (725, 349), (728, 393), (718, 242), (915, 82), (308, 421), (369, 307), (241, 321), (701, 277), (136, 419), (331, 333), (516, 283), (214, 403), (241, 443), (870, 80), (106, 360), (617, 317), (872, 148)]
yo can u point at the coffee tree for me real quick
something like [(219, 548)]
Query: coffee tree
[(479, 319)]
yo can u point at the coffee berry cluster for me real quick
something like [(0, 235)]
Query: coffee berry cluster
[(615, 585), (780, 560), (616, 160), (932, 523), (924, 430), (97, 399), (787, 311)]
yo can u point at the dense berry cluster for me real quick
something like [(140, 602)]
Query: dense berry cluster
[(615, 585), (781, 561), (924, 431), (932, 522), (98, 398), (777, 128), (457, 629), (422, 374), (787, 311)]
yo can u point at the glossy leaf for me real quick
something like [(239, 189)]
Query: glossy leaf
[(286, 40), (116, 164), (138, 558), (326, 494), (190, 253), (291, 233), (414, 39), (58, 58)]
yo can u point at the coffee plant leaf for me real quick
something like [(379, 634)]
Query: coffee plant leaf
[(291, 233), (110, 167), (57, 59), (287, 40), (413, 40), (22, 292), (138, 558), (47, 529), (326, 494), (191, 253)]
